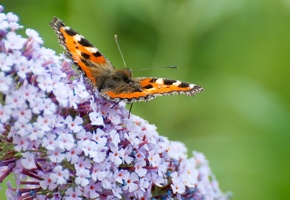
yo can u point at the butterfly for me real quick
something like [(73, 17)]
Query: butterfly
[(115, 84)]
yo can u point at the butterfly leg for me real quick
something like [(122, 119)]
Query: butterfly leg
[(131, 105), (115, 104)]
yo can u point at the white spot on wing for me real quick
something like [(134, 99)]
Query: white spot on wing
[(77, 37), (78, 52), (177, 83), (92, 49), (159, 81)]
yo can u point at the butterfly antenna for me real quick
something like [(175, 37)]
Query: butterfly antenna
[(156, 67), (116, 40)]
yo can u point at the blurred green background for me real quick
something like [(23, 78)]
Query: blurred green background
[(239, 51)]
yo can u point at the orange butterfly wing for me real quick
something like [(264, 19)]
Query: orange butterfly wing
[(81, 51), (153, 87)]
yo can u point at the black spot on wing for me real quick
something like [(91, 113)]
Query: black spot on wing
[(85, 62), (84, 42), (168, 82), (86, 56), (149, 86), (153, 80), (70, 32), (97, 54), (183, 85), (137, 90)]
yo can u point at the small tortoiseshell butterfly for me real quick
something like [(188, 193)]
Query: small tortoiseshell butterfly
[(115, 84)]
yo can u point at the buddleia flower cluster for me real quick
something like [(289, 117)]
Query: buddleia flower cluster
[(61, 140)]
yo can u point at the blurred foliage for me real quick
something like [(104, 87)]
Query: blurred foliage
[(239, 51)]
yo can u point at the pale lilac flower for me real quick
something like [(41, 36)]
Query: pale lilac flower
[(22, 127), (5, 62), (73, 194), (82, 164), (177, 184), (99, 172), (82, 177), (132, 182), (157, 180), (65, 140), (49, 141), (28, 91), (117, 192), (56, 155), (13, 41), (47, 182), (74, 154), (176, 150), (47, 122), (5, 82), (81, 91), (61, 96), (22, 114), (90, 148), (34, 35), (49, 107), (4, 24), (92, 190), (121, 176), (115, 137), (116, 156), (133, 138), (36, 132), (74, 125), (140, 168), (37, 105), (11, 17), (154, 158), (14, 99), (100, 138), (96, 118), (61, 140), (128, 158), (45, 83), (59, 175), (108, 181), (28, 160), (21, 143), (145, 183), (5, 112), (22, 69)]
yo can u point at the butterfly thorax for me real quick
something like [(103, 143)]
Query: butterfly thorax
[(120, 81)]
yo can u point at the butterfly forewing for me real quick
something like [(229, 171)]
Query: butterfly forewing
[(153, 87), (81, 51)]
